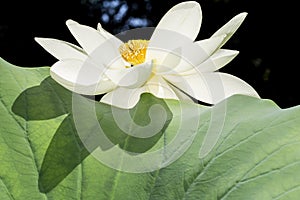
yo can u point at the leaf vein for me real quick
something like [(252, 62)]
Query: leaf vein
[(6, 189), (25, 127), (242, 180), (292, 189)]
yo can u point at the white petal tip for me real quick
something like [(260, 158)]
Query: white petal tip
[(38, 40), (233, 52), (187, 5), (41, 41), (99, 27), (226, 53), (220, 37), (242, 15), (190, 5), (70, 22), (45, 41)]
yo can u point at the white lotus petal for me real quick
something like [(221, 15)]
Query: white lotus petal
[(211, 45), (128, 98), (123, 97), (167, 60), (232, 85), (107, 55), (218, 60), (115, 42), (81, 77), (183, 59), (87, 37), (207, 66), (104, 50), (163, 43), (184, 18), (192, 56), (211, 87), (157, 54), (131, 77), (221, 58), (178, 26), (109, 36), (61, 50), (230, 27), (160, 88), (193, 85), (181, 95), (101, 46)]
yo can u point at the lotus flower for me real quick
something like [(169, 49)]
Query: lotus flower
[(170, 65)]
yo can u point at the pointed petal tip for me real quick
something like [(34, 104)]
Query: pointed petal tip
[(242, 16), (99, 26), (37, 39), (41, 41), (233, 52), (44, 41)]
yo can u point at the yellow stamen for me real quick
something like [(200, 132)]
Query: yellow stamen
[(134, 51)]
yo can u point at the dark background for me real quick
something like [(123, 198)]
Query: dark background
[(268, 40)]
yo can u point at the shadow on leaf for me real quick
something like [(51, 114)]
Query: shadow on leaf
[(46, 101), (64, 153), (88, 125), (136, 130)]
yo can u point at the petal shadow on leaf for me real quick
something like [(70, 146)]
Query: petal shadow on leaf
[(64, 154), (71, 143), (46, 101), (138, 129)]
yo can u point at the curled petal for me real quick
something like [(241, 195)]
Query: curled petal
[(61, 50), (81, 77)]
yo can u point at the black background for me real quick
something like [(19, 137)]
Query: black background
[(268, 40)]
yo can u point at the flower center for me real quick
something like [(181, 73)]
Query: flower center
[(134, 51)]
